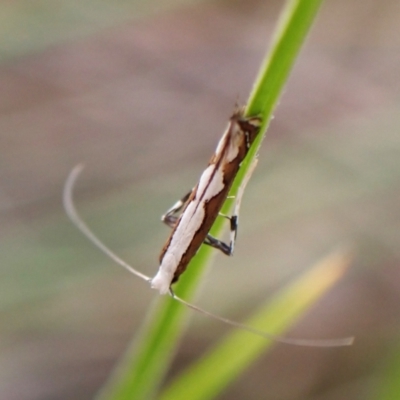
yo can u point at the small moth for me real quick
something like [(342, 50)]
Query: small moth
[(191, 219), (202, 205)]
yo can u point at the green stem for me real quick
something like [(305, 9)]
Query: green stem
[(146, 362)]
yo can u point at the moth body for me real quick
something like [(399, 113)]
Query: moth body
[(205, 201)]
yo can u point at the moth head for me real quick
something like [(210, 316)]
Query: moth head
[(249, 127)]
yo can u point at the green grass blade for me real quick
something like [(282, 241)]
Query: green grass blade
[(292, 29), (388, 388), (222, 364), (143, 367)]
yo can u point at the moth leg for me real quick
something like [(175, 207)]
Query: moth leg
[(233, 220), (171, 216), (219, 245)]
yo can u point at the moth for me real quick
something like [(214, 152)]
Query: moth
[(192, 217), (201, 206)]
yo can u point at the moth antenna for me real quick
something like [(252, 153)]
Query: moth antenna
[(348, 341), (81, 225)]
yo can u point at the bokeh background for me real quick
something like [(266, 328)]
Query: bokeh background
[(140, 92)]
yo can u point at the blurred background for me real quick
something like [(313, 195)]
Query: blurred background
[(141, 92)]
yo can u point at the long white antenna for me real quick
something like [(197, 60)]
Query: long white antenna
[(81, 225), (78, 222)]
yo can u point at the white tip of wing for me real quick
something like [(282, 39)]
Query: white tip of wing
[(161, 282)]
